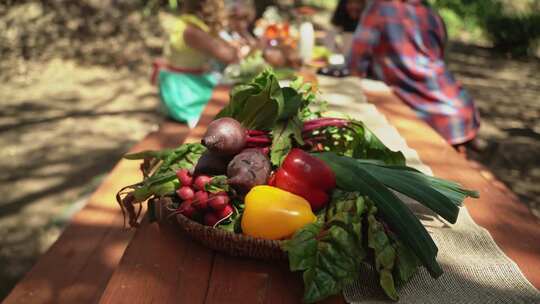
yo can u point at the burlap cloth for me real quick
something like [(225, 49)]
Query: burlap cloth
[(475, 268)]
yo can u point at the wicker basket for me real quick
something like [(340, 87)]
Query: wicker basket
[(234, 244)]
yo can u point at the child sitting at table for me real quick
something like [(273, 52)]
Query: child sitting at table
[(184, 77), (401, 42)]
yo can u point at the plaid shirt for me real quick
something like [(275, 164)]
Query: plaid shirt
[(402, 44)]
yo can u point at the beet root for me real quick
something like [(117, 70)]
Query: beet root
[(211, 163), (248, 169), (225, 136)]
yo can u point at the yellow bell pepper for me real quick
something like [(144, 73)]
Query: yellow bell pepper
[(272, 213)]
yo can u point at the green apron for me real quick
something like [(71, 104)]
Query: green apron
[(184, 95)]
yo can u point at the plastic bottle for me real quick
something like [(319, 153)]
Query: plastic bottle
[(307, 41)]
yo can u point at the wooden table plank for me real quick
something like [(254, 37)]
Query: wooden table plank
[(168, 269), (78, 265), (231, 280), (513, 227), (160, 265), (184, 266)]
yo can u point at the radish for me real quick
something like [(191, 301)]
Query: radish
[(184, 177), (210, 219), (225, 136), (185, 193), (218, 201), (225, 212), (201, 200), (187, 209), (201, 181)]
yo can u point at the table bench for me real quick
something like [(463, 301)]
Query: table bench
[(97, 260)]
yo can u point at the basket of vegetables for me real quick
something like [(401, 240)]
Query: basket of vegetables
[(273, 178)]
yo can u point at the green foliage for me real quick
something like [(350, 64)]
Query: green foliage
[(154, 6), (516, 33)]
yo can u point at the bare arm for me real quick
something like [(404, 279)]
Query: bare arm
[(212, 46)]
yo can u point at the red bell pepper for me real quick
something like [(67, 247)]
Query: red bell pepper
[(306, 176)]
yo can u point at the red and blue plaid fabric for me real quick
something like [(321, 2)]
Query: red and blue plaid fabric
[(402, 44)]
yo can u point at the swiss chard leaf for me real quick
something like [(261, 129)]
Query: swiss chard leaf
[(406, 261), (292, 102), (329, 253), (351, 177), (283, 134), (384, 253), (357, 141), (257, 105)]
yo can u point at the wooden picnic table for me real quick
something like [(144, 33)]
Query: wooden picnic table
[(97, 260)]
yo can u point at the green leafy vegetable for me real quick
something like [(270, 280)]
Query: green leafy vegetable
[(384, 253), (217, 184), (292, 103), (233, 223), (256, 105), (351, 177), (330, 252), (163, 181), (443, 197), (282, 139), (357, 141), (406, 261)]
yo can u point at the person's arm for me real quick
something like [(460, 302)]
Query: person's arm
[(212, 46), (366, 37)]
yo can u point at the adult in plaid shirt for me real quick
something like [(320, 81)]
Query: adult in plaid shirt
[(401, 42)]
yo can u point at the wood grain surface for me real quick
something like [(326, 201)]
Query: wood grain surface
[(160, 265)]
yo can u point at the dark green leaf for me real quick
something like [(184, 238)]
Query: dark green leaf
[(351, 177), (292, 102), (329, 253), (161, 154), (256, 105), (217, 184), (164, 180), (282, 137), (406, 261), (384, 253), (443, 197)]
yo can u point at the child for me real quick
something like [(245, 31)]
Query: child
[(185, 81)]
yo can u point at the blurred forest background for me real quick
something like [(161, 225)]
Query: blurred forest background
[(75, 96)]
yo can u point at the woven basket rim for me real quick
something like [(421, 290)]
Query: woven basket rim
[(234, 244), (225, 232)]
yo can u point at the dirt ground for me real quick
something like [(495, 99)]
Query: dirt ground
[(65, 122)]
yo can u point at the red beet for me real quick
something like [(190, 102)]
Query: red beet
[(185, 193), (210, 219), (201, 181), (248, 169), (201, 200), (218, 201), (184, 177), (225, 136), (225, 212), (187, 209)]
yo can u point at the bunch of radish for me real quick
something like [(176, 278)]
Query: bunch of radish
[(199, 203)]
